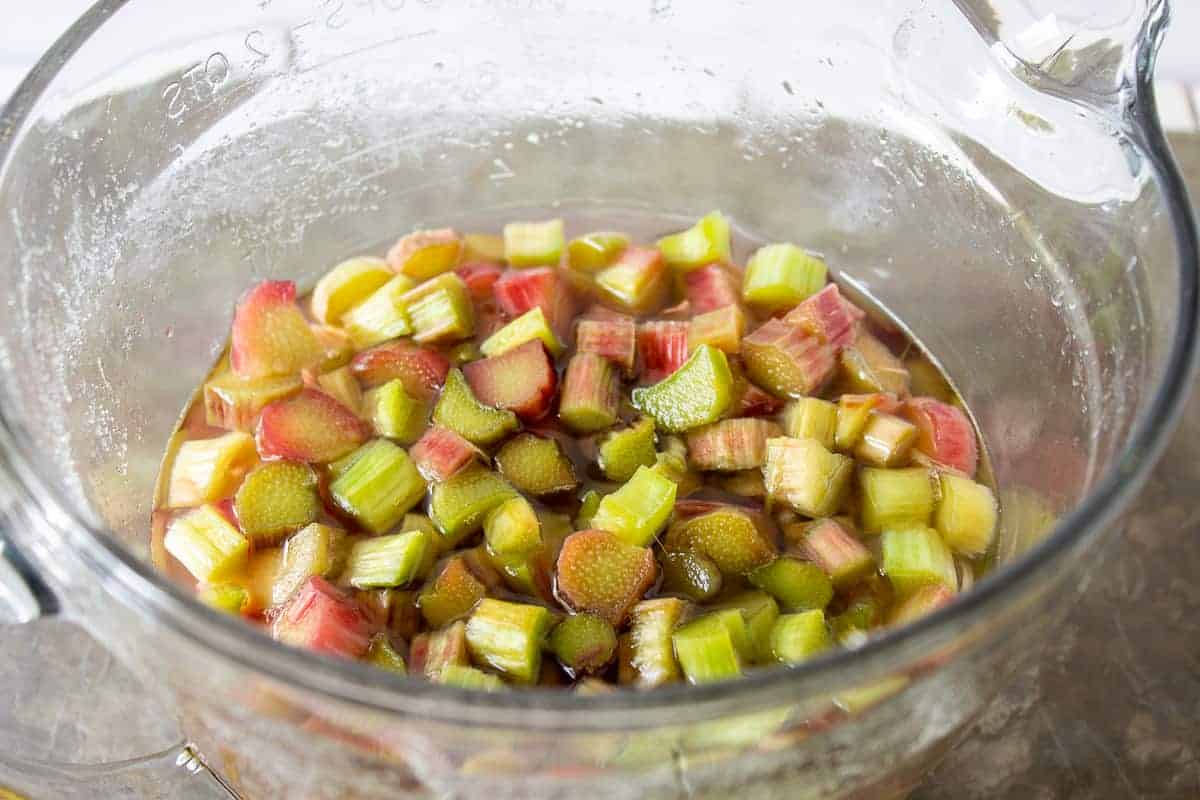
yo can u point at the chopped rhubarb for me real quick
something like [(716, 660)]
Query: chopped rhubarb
[(651, 658), (722, 328), (892, 498), (519, 291), (341, 385), (583, 644), (731, 444), (311, 426), (748, 399), (336, 348), (696, 394), (736, 540), (379, 486), (703, 243), (831, 545), (234, 403), (828, 316), (440, 453), (780, 276), (321, 618), (854, 411), (712, 287), (482, 247), (886, 441), (639, 509), (811, 418), (869, 366), (423, 371), (316, 550), (603, 575), (637, 282), (690, 574), (530, 326), (453, 594), (533, 244), (922, 601), (459, 410), (431, 653), (393, 413), (806, 476), (785, 361), (595, 251), (425, 254), (591, 394), (965, 515), (276, 499), (381, 316), (270, 335), (536, 465), (207, 470), (480, 277), (508, 637), (207, 544), (346, 286), (622, 452), (440, 310), (459, 505), (943, 433), (663, 347), (612, 336), (916, 556)]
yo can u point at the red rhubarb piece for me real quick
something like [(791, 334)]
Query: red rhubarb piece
[(310, 426), (603, 575), (421, 370), (611, 335), (440, 453), (517, 291), (711, 287), (731, 444), (664, 348), (522, 380), (786, 361), (270, 335), (480, 277), (828, 316), (321, 618), (943, 433)]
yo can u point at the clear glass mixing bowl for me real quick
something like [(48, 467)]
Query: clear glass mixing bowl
[(993, 174)]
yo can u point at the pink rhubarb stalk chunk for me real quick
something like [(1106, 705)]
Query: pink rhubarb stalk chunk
[(321, 618), (943, 433), (601, 574), (310, 426), (517, 291), (712, 287), (270, 335), (421, 370), (828, 316), (522, 380), (440, 453), (731, 444), (785, 361), (480, 277), (664, 348), (611, 335)]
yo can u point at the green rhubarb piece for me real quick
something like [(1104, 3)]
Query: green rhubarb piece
[(533, 244), (417, 522), (674, 468), (799, 637), (637, 283), (207, 544), (512, 529), (797, 585), (723, 328), (781, 275), (453, 594), (382, 316), (424, 254), (869, 366), (347, 285), (459, 505), (378, 486), (315, 550), (712, 648), (853, 414), (916, 556), (525, 328), (806, 476), (387, 561), (508, 638), (595, 251), (811, 418), (482, 247), (276, 499), (227, 597), (459, 410), (639, 509), (440, 649), (858, 618), (469, 678), (383, 655), (393, 413), (207, 470), (583, 643), (690, 574), (891, 498), (696, 394), (623, 451), (536, 465), (734, 539), (651, 651), (440, 310), (760, 611), (591, 394), (886, 441), (587, 509), (704, 243), (965, 515)]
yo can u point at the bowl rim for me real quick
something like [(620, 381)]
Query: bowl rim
[(139, 585)]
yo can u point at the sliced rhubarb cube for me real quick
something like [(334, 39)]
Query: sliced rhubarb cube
[(664, 348), (234, 403), (786, 361), (831, 545), (722, 328), (712, 287), (637, 282), (480, 277), (321, 618), (276, 499), (731, 444), (518, 291), (595, 251), (781, 275), (459, 410), (207, 544), (869, 366), (703, 243), (440, 453), (530, 326), (431, 653), (591, 394), (421, 370), (346, 286), (425, 254), (207, 470), (440, 310), (698, 393), (310, 426), (828, 316), (270, 334), (944, 433), (533, 244), (806, 476), (382, 316), (482, 247), (453, 594), (522, 380), (600, 574), (611, 335)]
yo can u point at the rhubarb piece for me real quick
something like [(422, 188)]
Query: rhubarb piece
[(458, 505), (422, 371), (310, 426), (712, 648), (588, 505), (785, 361), (622, 452), (226, 597), (827, 316), (591, 394), (746, 483), (806, 476), (382, 655), (894, 497), (536, 465), (853, 414), (811, 418), (780, 276), (675, 469), (207, 544), (381, 316), (916, 556), (965, 515), (924, 600), (760, 611), (697, 394), (527, 574), (886, 441), (797, 585), (663, 346), (270, 335), (482, 247), (943, 433), (469, 678), (857, 619), (533, 244), (393, 413), (830, 545), (464, 353), (336, 348), (595, 251), (703, 243), (480, 278), (583, 644), (441, 453), (275, 500), (440, 310), (796, 638), (315, 550), (322, 619), (639, 509), (207, 470), (613, 337), (347, 285), (431, 653), (341, 385), (637, 283), (601, 574), (453, 595), (722, 328), (234, 403), (692, 575), (512, 529), (508, 638), (711, 288), (387, 561), (748, 399), (522, 380), (651, 653), (520, 291), (459, 410), (736, 540), (869, 366), (731, 444), (379, 487), (529, 327), (422, 255)]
